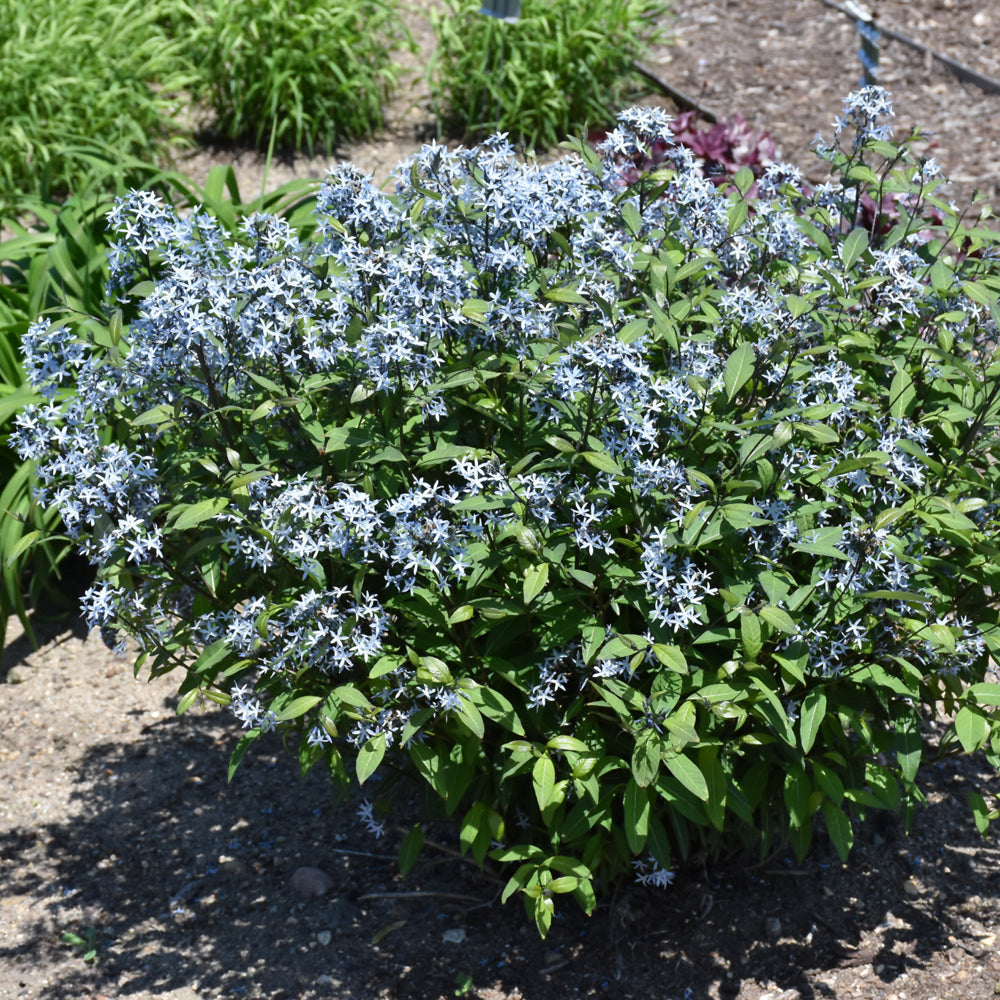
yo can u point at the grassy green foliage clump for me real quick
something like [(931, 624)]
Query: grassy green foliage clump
[(315, 73), (84, 83), (81, 79), (559, 68), (57, 265)]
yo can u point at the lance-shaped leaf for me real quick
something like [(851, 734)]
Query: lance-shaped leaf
[(739, 369), (535, 580)]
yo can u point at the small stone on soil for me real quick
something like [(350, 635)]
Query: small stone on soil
[(310, 882)]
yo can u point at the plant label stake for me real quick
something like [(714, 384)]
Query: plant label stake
[(869, 34), (506, 10)]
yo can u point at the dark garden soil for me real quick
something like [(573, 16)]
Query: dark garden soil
[(117, 824)]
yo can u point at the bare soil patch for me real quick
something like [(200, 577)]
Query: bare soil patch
[(116, 822)]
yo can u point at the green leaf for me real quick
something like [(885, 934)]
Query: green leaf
[(797, 305), (814, 233), (476, 308), (583, 577), (820, 433), (853, 246), (187, 515), (633, 330), (985, 693), (902, 394), (527, 538), (646, 759), (771, 709), (715, 778), (779, 619), (409, 850), (909, 747), (385, 665), (602, 461), (671, 657), (474, 822), (535, 580), (159, 414), (565, 294), (565, 883), (972, 727), (682, 725), (210, 571), (210, 656), (557, 863), (619, 646), (389, 454), (443, 453), (584, 895), (750, 635), (543, 778), (798, 790), (658, 843), (838, 826), (688, 774), (736, 213), (636, 804), (497, 708), (754, 446), (828, 781), (941, 276), (240, 751), (370, 755), (24, 542), (567, 744), (299, 706), (544, 908), (631, 218), (811, 716), (517, 881), (739, 369), (471, 717), (980, 813), (743, 179), (979, 293), (861, 172), (340, 438), (350, 695), (188, 700), (432, 670)]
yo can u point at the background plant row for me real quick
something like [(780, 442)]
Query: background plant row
[(302, 74)]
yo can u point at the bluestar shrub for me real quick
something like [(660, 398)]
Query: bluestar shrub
[(632, 516)]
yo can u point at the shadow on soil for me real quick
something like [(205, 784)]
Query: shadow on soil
[(186, 883), (48, 631), (55, 618)]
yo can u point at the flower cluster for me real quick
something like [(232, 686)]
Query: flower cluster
[(649, 872)]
